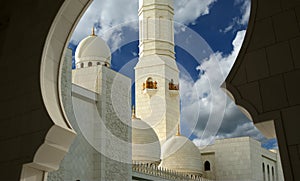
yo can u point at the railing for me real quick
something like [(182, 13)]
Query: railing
[(150, 85), (154, 170), (173, 86)]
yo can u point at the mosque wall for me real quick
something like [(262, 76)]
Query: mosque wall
[(268, 167), (241, 159), (86, 78), (114, 107), (256, 152), (272, 160), (280, 175), (87, 158), (233, 159), (209, 157), (80, 162)]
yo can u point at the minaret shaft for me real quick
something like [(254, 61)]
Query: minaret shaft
[(156, 28), (156, 73)]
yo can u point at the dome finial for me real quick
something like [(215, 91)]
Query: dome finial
[(93, 31), (133, 113), (178, 130)]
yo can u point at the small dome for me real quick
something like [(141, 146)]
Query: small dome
[(181, 154), (145, 143), (92, 49)]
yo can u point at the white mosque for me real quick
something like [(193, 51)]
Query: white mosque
[(101, 100)]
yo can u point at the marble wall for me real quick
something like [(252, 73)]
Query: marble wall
[(240, 159), (101, 120)]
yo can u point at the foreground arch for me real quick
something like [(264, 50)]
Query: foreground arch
[(35, 133), (264, 80)]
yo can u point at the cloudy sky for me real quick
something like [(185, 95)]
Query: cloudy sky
[(208, 37)]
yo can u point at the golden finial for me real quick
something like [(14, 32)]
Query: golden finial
[(133, 113), (93, 31), (178, 130)]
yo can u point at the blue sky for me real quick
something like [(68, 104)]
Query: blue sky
[(216, 29)]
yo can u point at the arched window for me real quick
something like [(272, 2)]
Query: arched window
[(206, 166), (98, 63), (268, 170), (263, 169), (273, 174), (90, 64), (81, 65)]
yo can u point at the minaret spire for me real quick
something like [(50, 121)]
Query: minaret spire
[(178, 130), (133, 116), (93, 31)]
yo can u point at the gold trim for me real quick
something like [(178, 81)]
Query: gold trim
[(133, 113), (178, 130), (93, 31)]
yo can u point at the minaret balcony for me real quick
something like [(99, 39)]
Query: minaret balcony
[(173, 93), (173, 89), (150, 87), (149, 92)]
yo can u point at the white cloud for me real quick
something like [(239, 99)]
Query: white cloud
[(107, 14), (112, 16), (228, 28), (206, 112), (134, 54), (187, 11), (216, 62), (242, 20), (246, 129), (245, 10)]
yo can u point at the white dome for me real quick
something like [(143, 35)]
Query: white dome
[(145, 143), (181, 154), (92, 49)]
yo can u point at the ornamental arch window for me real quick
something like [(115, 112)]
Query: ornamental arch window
[(90, 64), (81, 65), (206, 166), (150, 84), (263, 170)]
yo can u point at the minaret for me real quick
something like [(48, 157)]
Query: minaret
[(156, 73)]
